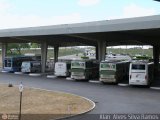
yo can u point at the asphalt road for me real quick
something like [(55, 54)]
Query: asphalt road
[(109, 99)]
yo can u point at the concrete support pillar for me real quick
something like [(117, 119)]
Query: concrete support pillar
[(156, 52), (101, 50), (4, 52), (96, 51), (44, 49), (56, 50)]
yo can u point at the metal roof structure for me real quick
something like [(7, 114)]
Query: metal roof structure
[(130, 31)]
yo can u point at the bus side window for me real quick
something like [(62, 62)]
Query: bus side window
[(5, 63), (9, 63), (87, 65), (68, 66), (15, 64)]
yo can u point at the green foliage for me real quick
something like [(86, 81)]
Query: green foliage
[(35, 45), (69, 51), (50, 54), (16, 47), (143, 58), (85, 57), (131, 51)]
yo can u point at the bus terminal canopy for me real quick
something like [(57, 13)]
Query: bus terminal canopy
[(130, 31)]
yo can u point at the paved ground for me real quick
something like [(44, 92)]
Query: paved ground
[(110, 99)]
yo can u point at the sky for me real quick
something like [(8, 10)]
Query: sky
[(30, 13)]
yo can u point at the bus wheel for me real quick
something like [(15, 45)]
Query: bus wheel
[(103, 82), (148, 86), (116, 83)]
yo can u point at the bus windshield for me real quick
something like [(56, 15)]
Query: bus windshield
[(78, 64), (107, 66), (138, 67)]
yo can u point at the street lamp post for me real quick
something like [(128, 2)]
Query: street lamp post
[(20, 106)]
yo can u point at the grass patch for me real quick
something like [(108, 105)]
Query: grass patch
[(41, 103)]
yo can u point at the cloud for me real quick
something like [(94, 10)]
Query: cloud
[(4, 6), (133, 10), (10, 20), (15, 21), (88, 2)]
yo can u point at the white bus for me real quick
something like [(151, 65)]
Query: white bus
[(84, 69), (62, 69), (31, 67), (141, 73), (114, 71)]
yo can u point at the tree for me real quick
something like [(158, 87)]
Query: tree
[(17, 47), (35, 45)]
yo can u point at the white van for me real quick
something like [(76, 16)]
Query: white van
[(31, 66), (62, 69), (140, 73)]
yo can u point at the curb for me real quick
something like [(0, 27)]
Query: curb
[(93, 81), (70, 79), (4, 71), (18, 73), (35, 74), (51, 76), (123, 85), (93, 103), (155, 88)]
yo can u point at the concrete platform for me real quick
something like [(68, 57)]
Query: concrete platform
[(51, 76), (95, 81), (155, 88), (3, 71), (18, 73), (69, 78), (35, 74), (123, 84)]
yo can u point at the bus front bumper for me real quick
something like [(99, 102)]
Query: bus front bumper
[(77, 77), (25, 70), (138, 82), (60, 74), (107, 78)]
